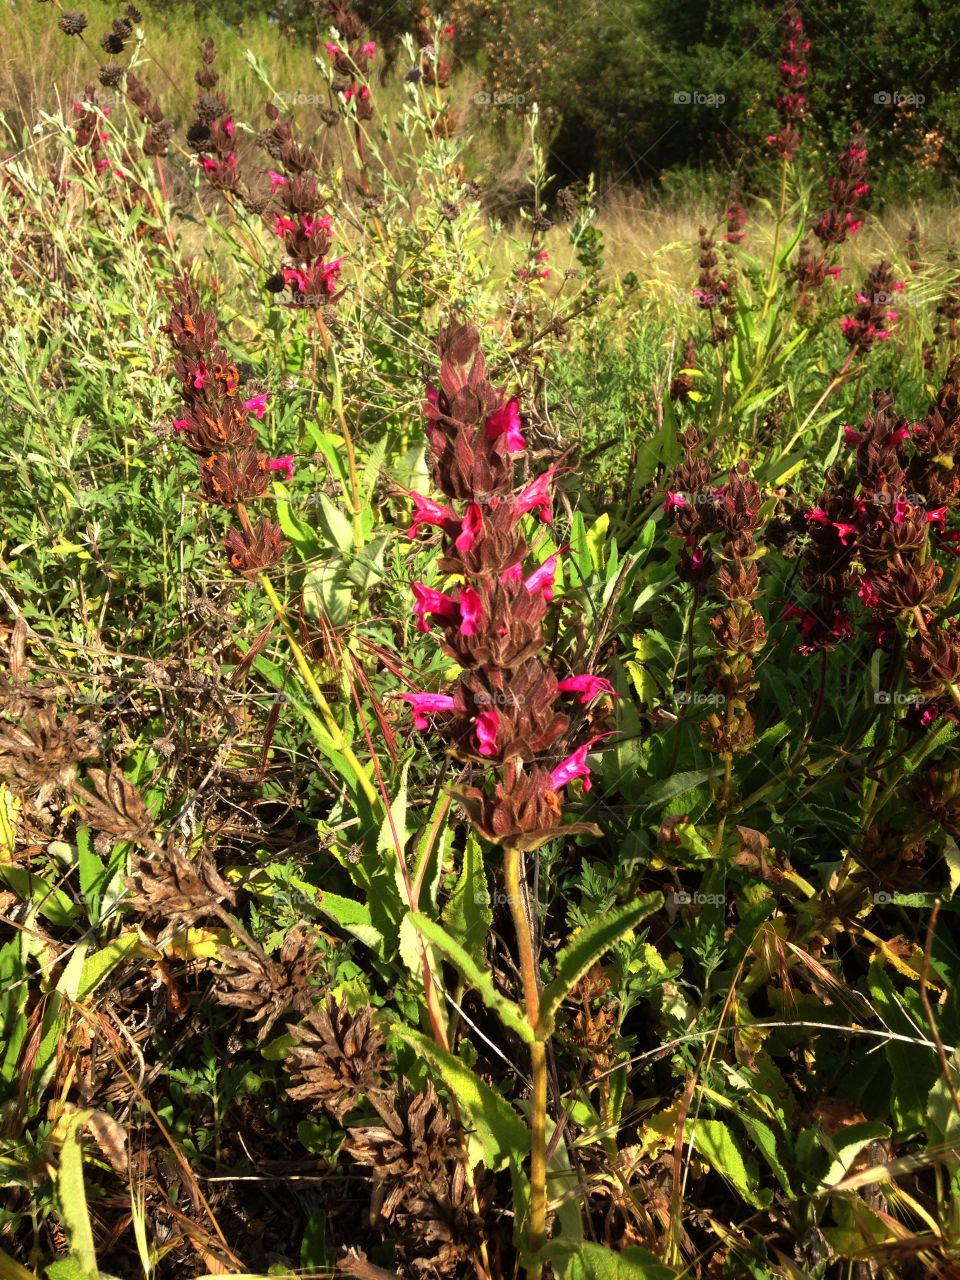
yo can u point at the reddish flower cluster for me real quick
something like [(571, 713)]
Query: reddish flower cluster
[(715, 289), (293, 209), (791, 101), (738, 631), (503, 708), (870, 322), (694, 504), (845, 193), (736, 220), (681, 384), (877, 532), (87, 131), (211, 134), (915, 248), (436, 68), (834, 226), (216, 427), (352, 63)]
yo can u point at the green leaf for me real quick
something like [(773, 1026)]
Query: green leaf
[(509, 1013), (716, 1144), (73, 1200), (97, 966), (498, 1134), (352, 916), (586, 949), (579, 1261), (845, 1145), (467, 916), (335, 525), (674, 786)]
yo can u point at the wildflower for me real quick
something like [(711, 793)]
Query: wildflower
[(424, 702), (674, 500), (430, 602), (536, 495), (589, 687), (542, 579), (276, 180), (575, 766), (487, 724), (282, 464), (506, 421)]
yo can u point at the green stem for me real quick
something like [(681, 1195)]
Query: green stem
[(336, 733), (538, 1056)]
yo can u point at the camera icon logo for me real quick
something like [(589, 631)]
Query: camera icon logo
[(882, 899), (882, 99), (482, 99), (682, 98), (682, 899), (881, 698)]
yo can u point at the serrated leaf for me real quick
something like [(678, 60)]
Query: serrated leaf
[(586, 949), (73, 1200)]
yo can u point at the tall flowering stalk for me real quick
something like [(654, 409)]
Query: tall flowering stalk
[(216, 427), (508, 711), (837, 224)]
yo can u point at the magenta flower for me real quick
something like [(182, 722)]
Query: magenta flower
[(282, 225), (332, 50), (851, 436), (470, 611), (429, 601), (846, 531), (369, 49), (293, 275), (331, 273), (432, 393), (537, 494), (589, 687), (228, 127), (276, 180), (200, 376), (674, 500), (513, 574), (181, 425), (471, 527), (936, 517), (421, 703), (506, 421), (282, 464), (487, 724), (429, 512), (542, 579), (574, 766), (257, 404)]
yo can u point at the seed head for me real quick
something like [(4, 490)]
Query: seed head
[(72, 22)]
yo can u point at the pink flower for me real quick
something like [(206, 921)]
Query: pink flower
[(181, 425), (470, 611), (257, 404), (851, 436), (282, 464), (513, 574), (848, 325), (424, 702), (331, 273), (542, 579), (487, 724), (537, 494), (543, 255), (282, 225), (936, 517), (674, 500), (429, 601), (929, 716), (506, 421), (276, 180), (867, 593), (448, 30), (208, 165), (332, 50), (574, 766), (228, 127), (834, 271), (429, 512), (369, 49), (200, 376), (589, 687), (433, 394), (295, 276), (472, 524), (819, 516), (901, 433), (846, 531)]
